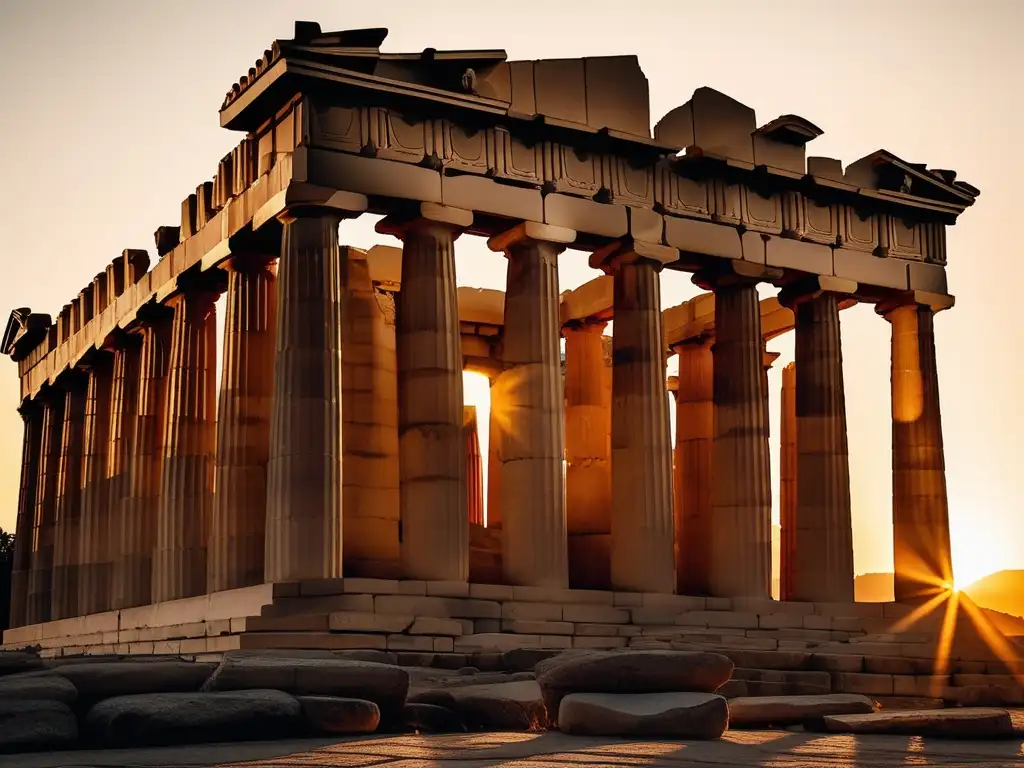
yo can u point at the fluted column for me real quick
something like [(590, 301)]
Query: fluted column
[(40, 586), (695, 434), (32, 416), (823, 556), (921, 545), (474, 468), (495, 426), (588, 448), (787, 483), (741, 492), (183, 516), (95, 551), (127, 579), (67, 528), (532, 447), (643, 556), (304, 491), (432, 493), (235, 557)]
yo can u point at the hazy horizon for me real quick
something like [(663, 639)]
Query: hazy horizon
[(111, 121)]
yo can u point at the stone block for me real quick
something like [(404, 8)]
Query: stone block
[(765, 605), (485, 626), (928, 277), (847, 610), (555, 642), (374, 177), (854, 682), (552, 595), (585, 216), (717, 603), (676, 603), (219, 627), (599, 642), (312, 641), (837, 663), (310, 622), (919, 685), (755, 659), (531, 611), (897, 665), (599, 630), (869, 269), (437, 607), (813, 258), (537, 627), (498, 592), (369, 622), (627, 599), (653, 616), (780, 621), (410, 643), (601, 614), (448, 588), (474, 193), (496, 642), (736, 619), (813, 621), (412, 587), (703, 238), (444, 644), (646, 225), (426, 625)]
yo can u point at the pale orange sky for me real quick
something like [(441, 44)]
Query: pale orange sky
[(110, 120)]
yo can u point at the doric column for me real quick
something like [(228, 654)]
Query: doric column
[(183, 516), (32, 416), (40, 585), (95, 551), (495, 427), (741, 492), (921, 547), (532, 447), (235, 557), (695, 434), (127, 579), (588, 448), (67, 530), (787, 483), (474, 468), (304, 492), (435, 529), (643, 557), (823, 550), (369, 435)]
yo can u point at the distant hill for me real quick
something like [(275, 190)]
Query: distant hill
[(1001, 591)]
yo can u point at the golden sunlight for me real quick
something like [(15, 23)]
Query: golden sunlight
[(476, 391)]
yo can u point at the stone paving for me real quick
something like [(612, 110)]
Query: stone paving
[(774, 749)]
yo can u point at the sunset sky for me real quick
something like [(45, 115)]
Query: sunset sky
[(110, 120)]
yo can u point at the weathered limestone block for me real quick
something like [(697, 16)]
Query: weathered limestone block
[(768, 711), (32, 415), (304, 471), (920, 508), (337, 716), (651, 715), (27, 726), (40, 576), (588, 473), (158, 719), (741, 492), (235, 558), (532, 438), (966, 723), (502, 706), (642, 545), (95, 548), (435, 528), (695, 433), (67, 530), (131, 571), (183, 517)]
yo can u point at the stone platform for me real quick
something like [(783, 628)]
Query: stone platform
[(778, 647)]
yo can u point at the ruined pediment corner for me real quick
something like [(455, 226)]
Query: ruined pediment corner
[(790, 129), (23, 331)]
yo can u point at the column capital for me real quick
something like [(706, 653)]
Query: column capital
[(705, 339), (531, 231), (768, 358), (420, 216), (629, 251), (814, 286), (248, 261), (303, 200), (936, 302), (585, 325), (734, 272)]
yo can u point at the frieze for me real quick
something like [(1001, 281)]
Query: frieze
[(858, 230), (898, 238)]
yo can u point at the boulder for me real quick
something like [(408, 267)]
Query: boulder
[(513, 706), (383, 684), (644, 715), (431, 718), (27, 725), (963, 723), (104, 680), (158, 719), (630, 672), (12, 662), (41, 687), (337, 716), (766, 711)]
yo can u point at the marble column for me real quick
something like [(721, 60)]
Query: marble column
[(40, 583), (236, 546), (435, 528), (95, 552), (474, 468), (741, 492), (823, 551), (183, 513), (67, 529), (304, 485), (495, 424), (921, 545), (32, 416), (533, 439), (588, 448), (787, 483), (128, 581), (695, 435), (369, 435), (643, 550)]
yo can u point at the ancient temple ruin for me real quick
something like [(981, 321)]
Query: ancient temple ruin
[(335, 465)]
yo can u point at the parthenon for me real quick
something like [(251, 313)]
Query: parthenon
[(338, 447)]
